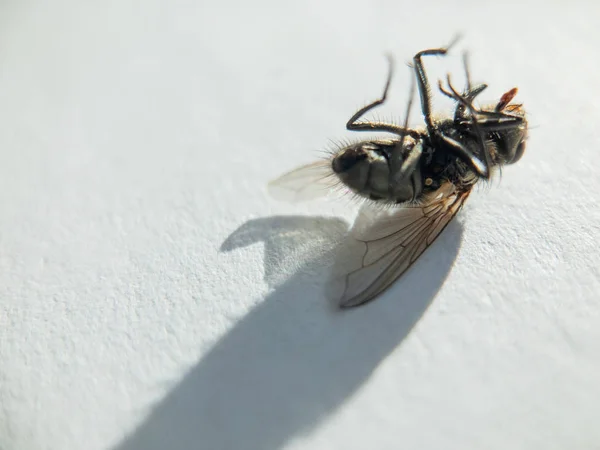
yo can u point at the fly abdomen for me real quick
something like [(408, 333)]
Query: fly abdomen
[(365, 169)]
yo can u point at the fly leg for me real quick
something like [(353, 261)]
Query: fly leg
[(354, 125), (469, 94), (470, 91), (466, 100), (491, 125), (460, 113), (402, 163), (482, 168), (493, 120), (399, 166), (424, 89), (467, 71)]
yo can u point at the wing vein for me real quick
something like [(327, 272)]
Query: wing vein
[(385, 258)]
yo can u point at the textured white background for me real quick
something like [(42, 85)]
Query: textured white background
[(152, 296)]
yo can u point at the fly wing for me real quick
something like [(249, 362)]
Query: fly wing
[(304, 183), (394, 241)]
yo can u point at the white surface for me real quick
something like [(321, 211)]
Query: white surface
[(153, 297)]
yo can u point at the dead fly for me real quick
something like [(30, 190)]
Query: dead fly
[(426, 174)]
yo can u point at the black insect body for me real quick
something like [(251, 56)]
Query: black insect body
[(428, 173)]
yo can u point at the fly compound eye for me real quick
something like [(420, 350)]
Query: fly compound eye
[(347, 159), (519, 152)]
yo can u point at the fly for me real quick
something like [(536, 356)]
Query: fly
[(425, 174)]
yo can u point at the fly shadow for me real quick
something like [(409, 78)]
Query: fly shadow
[(292, 360)]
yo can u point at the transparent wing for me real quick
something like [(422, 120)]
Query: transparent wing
[(304, 183), (393, 242)]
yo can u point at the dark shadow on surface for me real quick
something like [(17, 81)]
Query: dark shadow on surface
[(292, 360)]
